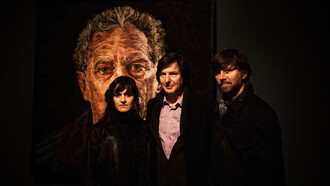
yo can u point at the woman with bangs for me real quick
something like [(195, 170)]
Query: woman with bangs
[(117, 144)]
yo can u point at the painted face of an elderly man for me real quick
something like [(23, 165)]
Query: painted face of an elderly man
[(113, 53)]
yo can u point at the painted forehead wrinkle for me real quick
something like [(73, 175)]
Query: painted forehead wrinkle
[(119, 38), (104, 46), (119, 46), (136, 41), (137, 38), (105, 40)]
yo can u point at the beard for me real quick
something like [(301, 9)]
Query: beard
[(231, 90)]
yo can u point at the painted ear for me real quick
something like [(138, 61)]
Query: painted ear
[(82, 81)]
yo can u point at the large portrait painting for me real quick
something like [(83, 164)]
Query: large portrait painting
[(83, 46)]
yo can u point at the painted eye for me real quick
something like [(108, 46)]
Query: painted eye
[(104, 69), (137, 69)]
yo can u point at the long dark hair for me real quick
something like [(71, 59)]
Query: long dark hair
[(118, 85)]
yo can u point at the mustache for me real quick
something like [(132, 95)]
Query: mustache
[(225, 82)]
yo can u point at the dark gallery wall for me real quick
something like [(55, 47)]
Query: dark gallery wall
[(18, 20), (286, 42)]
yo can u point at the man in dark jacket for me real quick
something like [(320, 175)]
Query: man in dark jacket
[(247, 147), (180, 126)]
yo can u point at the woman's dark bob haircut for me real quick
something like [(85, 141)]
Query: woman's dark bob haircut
[(119, 85)]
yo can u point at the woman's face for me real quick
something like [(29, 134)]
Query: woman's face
[(123, 101)]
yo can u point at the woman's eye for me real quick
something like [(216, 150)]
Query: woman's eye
[(129, 95)]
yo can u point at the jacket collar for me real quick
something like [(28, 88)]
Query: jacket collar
[(235, 105)]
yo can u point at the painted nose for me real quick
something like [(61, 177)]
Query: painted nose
[(119, 71)]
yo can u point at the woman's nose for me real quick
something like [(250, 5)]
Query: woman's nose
[(122, 98)]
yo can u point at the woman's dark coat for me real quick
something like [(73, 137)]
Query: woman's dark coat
[(117, 151)]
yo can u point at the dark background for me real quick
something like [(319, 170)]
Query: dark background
[(286, 41), (288, 46)]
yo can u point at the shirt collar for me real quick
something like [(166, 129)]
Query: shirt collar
[(178, 104)]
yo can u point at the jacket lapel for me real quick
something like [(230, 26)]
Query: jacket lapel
[(155, 113), (184, 123), (186, 108)]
